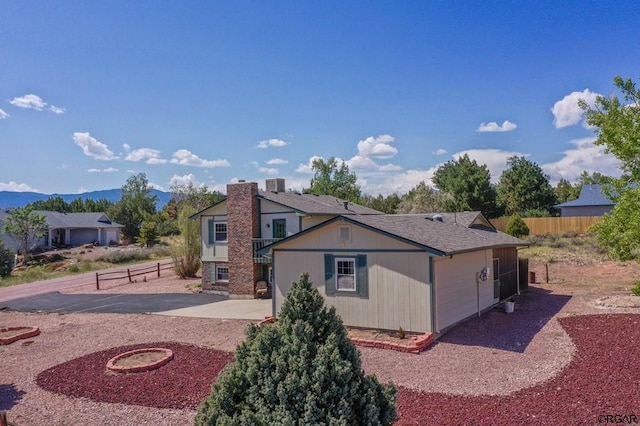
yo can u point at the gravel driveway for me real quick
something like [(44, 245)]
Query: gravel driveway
[(497, 354)]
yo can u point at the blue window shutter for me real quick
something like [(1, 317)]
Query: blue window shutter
[(361, 273), (211, 231), (329, 281)]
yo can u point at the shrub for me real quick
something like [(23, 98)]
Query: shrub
[(636, 289), (186, 252), (122, 256), (148, 234), (301, 370), (7, 259), (74, 268), (516, 227)]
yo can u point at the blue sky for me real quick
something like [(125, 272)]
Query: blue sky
[(212, 92)]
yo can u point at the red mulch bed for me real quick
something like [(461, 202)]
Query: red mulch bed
[(602, 379), (182, 383)]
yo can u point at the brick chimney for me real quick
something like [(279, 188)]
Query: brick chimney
[(243, 224)]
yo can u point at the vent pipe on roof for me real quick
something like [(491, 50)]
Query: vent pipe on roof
[(437, 217), (346, 205)]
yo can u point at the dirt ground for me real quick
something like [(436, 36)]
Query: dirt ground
[(602, 284)]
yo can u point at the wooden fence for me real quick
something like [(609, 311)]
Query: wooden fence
[(130, 273), (551, 225)]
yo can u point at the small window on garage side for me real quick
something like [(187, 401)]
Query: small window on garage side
[(222, 273), (345, 274)]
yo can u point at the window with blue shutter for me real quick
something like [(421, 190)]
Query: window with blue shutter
[(346, 275)]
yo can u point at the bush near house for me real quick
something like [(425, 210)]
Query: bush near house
[(302, 370), (516, 227)]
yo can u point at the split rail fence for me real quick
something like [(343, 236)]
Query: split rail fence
[(130, 273)]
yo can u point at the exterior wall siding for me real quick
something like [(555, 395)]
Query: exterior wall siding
[(217, 252), (585, 211), (456, 288), (399, 291)]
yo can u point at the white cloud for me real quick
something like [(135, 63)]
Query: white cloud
[(307, 168), (16, 187), (81, 190), (276, 161), (152, 156), (156, 186), (492, 126), (3, 114), (105, 170), (586, 156), (268, 170), (186, 158), (378, 147), (439, 151), (32, 101), (494, 159), (276, 143), (185, 180), (566, 111), (399, 183), (93, 147)]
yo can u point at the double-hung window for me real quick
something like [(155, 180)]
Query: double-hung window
[(222, 273), (220, 232), (346, 275)]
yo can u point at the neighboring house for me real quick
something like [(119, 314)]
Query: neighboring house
[(234, 229), (591, 202), (8, 240), (79, 228), (423, 272)]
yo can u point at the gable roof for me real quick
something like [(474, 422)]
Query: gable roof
[(590, 195), (78, 220), (441, 233), (308, 204), (315, 204)]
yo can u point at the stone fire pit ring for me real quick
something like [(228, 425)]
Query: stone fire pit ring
[(17, 333), (139, 368)]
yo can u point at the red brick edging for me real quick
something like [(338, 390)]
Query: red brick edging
[(29, 332), (417, 344), (139, 368)]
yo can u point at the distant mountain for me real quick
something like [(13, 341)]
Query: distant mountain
[(21, 199)]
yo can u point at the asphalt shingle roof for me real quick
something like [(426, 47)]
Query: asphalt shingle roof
[(316, 204), (77, 220), (590, 195)]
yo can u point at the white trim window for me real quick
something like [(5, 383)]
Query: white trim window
[(220, 232), (222, 273), (345, 268)]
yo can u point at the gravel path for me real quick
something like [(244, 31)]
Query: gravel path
[(497, 365)]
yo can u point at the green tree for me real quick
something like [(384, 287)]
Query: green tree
[(302, 370), (6, 260), (186, 253), (387, 204), (148, 234), (516, 227), (468, 184), (26, 227), (196, 197), (52, 204), (617, 127), (423, 199), (565, 191), (332, 179), (523, 186), (136, 204)]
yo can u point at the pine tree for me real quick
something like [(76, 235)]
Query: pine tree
[(302, 370)]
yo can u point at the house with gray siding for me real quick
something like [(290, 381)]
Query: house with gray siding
[(424, 272), (248, 219), (78, 228), (591, 202)]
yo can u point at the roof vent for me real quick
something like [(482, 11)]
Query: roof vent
[(437, 217), (275, 185), (346, 205)]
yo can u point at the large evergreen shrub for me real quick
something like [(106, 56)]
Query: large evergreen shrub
[(302, 370), (6, 260), (517, 227)]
